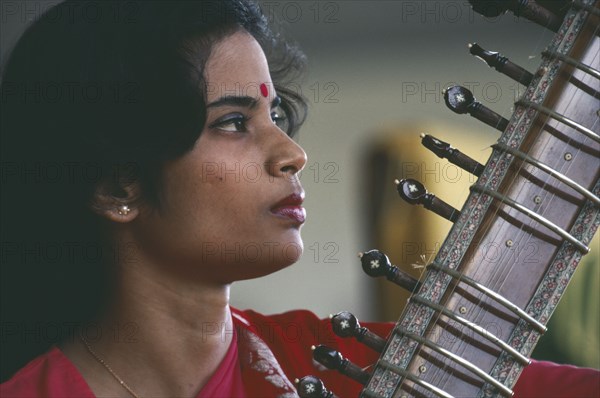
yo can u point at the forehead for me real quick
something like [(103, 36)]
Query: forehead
[(237, 66)]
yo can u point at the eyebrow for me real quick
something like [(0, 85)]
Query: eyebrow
[(246, 101)]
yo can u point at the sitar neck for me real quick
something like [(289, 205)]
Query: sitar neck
[(486, 298)]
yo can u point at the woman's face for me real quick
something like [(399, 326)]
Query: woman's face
[(232, 205)]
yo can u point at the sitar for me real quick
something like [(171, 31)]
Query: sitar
[(473, 320)]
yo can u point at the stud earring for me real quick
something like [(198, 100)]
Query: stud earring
[(123, 210)]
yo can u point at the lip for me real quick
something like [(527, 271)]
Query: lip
[(291, 207)]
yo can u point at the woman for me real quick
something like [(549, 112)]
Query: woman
[(135, 183)]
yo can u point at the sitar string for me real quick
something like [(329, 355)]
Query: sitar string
[(544, 185), (497, 209), (565, 166)]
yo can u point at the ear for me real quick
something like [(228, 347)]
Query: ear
[(116, 202)]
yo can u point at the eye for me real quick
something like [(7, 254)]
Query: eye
[(233, 123), (279, 118)]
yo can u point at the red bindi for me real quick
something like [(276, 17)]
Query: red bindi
[(264, 90)]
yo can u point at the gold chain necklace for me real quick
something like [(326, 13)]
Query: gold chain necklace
[(103, 363)]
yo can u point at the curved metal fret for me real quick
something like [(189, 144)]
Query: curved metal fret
[(525, 329), (490, 293), (463, 362), (557, 116), (568, 60), (398, 370), (559, 176), (476, 328), (545, 222)]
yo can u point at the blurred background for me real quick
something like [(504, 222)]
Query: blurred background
[(374, 83)]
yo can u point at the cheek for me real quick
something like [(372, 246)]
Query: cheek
[(215, 218), (197, 209)]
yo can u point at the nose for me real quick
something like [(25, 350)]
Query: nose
[(288, 158)]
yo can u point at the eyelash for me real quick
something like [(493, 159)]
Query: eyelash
[(239, 121), (234, 120)]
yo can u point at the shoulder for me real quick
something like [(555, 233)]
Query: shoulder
[(548, 379), (290, 336), (256, 317), (304, 327), (49, 375), (301, 320)]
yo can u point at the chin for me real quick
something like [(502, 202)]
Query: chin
[(275, 257)]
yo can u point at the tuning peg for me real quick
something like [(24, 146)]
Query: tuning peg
[(528, 9), (502, 64), (312, 387), (415, 193), (377, 264), (460, 100), (444, 150), (346, 325), (332, 359)]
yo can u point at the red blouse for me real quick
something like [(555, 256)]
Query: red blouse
[(271, 351)]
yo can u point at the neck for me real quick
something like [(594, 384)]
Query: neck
[(160, 334)]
